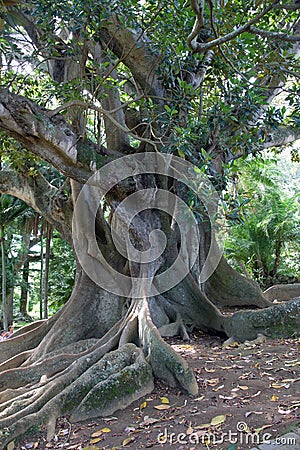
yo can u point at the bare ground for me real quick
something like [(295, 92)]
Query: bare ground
[(254, 387)]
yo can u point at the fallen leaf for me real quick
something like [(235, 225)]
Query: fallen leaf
[(244, 388), (258, 430), (292, 363), (213, 381), (162, 407), (91, 447), (218, 388), (100, 432), (209, 370), (95, 440), (143, 405), (217, 420), (198, 398), (295, 404), (11, 446), (127, 441), (279, 386), (255, 395), (232, 345), (274, 398), (224, 397), (148, 421), (164, 400), (284, 411), (63, 432), (202, 426)]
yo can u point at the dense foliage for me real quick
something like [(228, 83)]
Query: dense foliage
[(264, 219), (230, 88)]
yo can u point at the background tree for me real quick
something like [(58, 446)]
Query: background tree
[(10, 209), (85, 83), (264, 234)]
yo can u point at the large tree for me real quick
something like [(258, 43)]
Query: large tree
[(180, 90)]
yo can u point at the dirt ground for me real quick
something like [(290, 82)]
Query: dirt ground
[(248, 394)]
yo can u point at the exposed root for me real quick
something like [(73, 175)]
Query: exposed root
[(165, 362), (120, 378), (174, 329), (282, 292), (15, 361), (22, 342), (281, 320), (98, 388)]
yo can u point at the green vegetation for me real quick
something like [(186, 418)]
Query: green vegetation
[(263, 212), (213, 83)]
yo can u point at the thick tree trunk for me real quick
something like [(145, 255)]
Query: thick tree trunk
[(101, 350), (97, 354), (226, 287)]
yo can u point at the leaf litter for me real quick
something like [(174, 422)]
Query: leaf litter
[(257, 384)]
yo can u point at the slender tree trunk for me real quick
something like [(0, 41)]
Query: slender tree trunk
[(277, 259), (41, 272), (10, 306), (3, 261), (24, 290), (49, 230)]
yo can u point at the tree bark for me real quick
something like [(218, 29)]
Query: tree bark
[(49, 230), (24, 291), (3, 292)]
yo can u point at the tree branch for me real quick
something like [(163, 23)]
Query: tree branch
[(198, 8), (106, 113), (131, 49), (41, 196), (289, 7), (283, 135), (274, 35), (202, 47), (50, 138)]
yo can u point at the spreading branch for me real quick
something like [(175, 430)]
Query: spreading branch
[(40, 195), (198, 8), (202, 47), (134, 52), (280, 136), (108, 114), (50, 138), (274, 35)]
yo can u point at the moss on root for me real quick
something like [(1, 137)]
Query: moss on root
[(278, 321), (119, 389), (111, 383)]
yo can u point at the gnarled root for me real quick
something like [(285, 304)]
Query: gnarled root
[(89, 378), (165, 362), (91, 388), (281, 320)]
